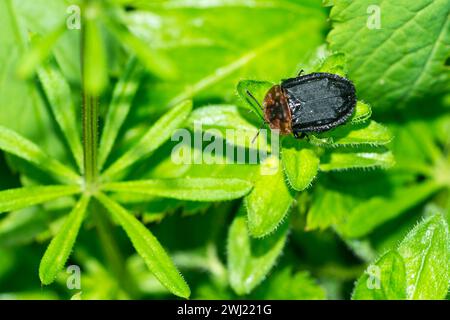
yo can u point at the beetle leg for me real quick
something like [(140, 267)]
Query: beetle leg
[(300, 72)]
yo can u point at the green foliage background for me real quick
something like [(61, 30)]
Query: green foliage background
[(368, 198)]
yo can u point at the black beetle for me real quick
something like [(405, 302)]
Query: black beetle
[(314, 102)]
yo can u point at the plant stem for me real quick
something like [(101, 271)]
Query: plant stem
[(90, 120), (90, 137)]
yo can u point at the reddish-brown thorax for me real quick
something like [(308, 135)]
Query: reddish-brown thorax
[(276, 110)]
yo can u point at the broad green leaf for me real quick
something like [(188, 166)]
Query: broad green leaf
[(249, 260), (216, 44), (371, 213), (300, 164), (159, 133), (270, 200), (14, 199), (60, 247), (383, 280), (39, 51), (286, 285), (17, 145), (426, 253), (343, 159), (371, 133), (118, 110), (257, 89), (194, 189), (95, 70), (148, 248), (58, 93), (388, 68)]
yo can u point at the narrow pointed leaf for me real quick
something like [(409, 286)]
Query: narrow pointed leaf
[(300, 164), (194, 189), (159, 133), (249, 260), (39, 51), (118, 110), (21, 147), (368, 133), (61, 246), (155, 61), (148, 248), (58, 93), (269, 201), (335, 159), (362, 113), (15, 199)]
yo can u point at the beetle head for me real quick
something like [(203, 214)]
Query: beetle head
[(276, 110)]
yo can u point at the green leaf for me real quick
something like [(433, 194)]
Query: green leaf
[(17, 145), (95, 75), (195, 189), (258, 89), (214, 34), (416, 270), (58, 93), (300, 164), (352, 158), (148, 248), (15, 199), (383, 280), (159, 133), (371, 213), (387, 67), (60, 247), (270, 199), (426, 253), (39, 51), (155, 61), (286, 285), (118, 110), (370, 133), (249, 260), (363, 112), (334, 63)]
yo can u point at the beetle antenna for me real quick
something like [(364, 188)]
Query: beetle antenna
[(253, 97)]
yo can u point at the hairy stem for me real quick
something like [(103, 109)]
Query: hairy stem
[(90, 137)]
